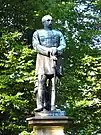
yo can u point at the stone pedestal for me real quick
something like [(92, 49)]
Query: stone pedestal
[(50, 125), (50, 130)]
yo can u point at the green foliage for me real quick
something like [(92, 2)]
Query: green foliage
[(27, 133), (17, 70), (78, 92)]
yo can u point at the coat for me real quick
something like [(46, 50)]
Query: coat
[(42, 41)]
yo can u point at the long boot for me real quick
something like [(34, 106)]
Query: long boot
[(48, 96), (39, 101), (40, 94)]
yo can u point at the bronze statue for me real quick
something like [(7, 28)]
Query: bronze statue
[(49, 44)]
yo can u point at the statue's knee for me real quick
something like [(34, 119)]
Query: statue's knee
[(41, 79)]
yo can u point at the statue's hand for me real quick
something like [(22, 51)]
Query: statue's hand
[(53, 51)]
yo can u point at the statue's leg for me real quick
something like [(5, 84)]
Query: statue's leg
[(41, 92), (48, 95), (53, 93)]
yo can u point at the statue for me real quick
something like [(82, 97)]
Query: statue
[(49, 44)]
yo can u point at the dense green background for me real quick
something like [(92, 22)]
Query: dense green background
[(79, 91)]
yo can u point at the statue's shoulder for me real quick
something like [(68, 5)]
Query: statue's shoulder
[(40, 30)]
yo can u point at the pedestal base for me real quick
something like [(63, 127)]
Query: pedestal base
[(50, 125), (50, 130)]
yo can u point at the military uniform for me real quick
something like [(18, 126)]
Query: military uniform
[(43, 42)]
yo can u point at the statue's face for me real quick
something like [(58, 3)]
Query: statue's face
[(48, 23)]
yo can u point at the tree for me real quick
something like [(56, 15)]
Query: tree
[(80, 85), (80, 52), (16, 83)]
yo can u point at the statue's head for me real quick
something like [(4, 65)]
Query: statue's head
[(47, 21)]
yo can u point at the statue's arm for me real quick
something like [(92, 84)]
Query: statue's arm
[(37, 46), (62, 44)]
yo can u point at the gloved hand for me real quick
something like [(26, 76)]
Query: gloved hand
[(53, 51)]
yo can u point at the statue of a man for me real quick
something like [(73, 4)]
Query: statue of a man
[(49, 44)]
